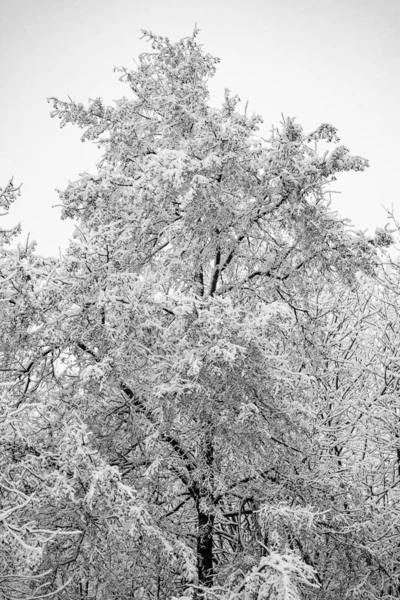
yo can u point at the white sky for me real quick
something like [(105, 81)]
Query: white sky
[(335, 61)]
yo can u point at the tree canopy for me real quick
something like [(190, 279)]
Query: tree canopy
[(199, 399)]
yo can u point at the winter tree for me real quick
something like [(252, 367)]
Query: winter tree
[(202, 350)]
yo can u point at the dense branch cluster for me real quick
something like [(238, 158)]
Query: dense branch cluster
[(200, 399)]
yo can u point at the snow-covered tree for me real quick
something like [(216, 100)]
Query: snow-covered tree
[(193, 239), (56, 491), (21, 541), (202, 352)]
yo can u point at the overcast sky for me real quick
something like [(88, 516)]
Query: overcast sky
[(332, 61)]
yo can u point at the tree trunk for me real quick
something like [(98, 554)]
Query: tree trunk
[(205, 547), (205, 509)]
